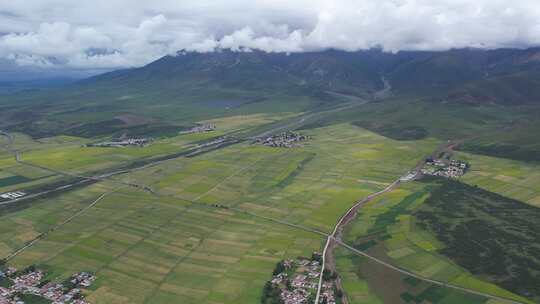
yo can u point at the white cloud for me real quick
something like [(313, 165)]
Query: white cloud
[(132, 33)]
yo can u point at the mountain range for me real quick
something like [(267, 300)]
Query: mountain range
[(180, 90), (464, 75)]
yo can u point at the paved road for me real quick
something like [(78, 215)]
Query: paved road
[(88, 179), (300, 120), (338, 229), (334, 239)]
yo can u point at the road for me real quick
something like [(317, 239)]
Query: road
[(42, 235), (335, 238), (419, 277), (332, 240), (300, 120), (327, 255), (104, 176)]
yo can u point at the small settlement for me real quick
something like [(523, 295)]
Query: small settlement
[(12, 195), (445, 168), (296, 282), (15, 286), (283, 140), (137, 142), (200, 129)]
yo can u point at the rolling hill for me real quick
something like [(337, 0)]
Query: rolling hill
[(179, 90)]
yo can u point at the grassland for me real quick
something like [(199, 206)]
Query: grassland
[(388, 229), (515, 179), (148, 249), (176, 246), (488, 234), (67, 153), (367, 282), (312, 185)]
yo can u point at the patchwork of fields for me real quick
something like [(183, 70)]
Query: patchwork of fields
[(515, 179), (387, 229), (152, 250), (189, 241)]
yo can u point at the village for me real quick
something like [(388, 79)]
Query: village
[(283, 140), (137, 142), (200, 129), (12, 195), (17, 286), (445, 168), (296, 282)]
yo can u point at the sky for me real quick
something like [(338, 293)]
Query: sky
[(111, 34)]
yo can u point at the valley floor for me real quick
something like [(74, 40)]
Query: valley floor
[(210, 227)]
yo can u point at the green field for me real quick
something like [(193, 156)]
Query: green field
[(388, 229), (148, 249), (312, 185), (175, 245), (178, 251), (515, 179), (366, 282), (488, 234)]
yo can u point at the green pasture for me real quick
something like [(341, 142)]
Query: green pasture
[(151, 250), (388, 230), (366, 282), (19, 227), (148, 249), (313, 185), (515, 179)]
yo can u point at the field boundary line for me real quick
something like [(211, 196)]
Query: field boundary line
[(347, 216), (420, 277), (43, 235), (312, 230)]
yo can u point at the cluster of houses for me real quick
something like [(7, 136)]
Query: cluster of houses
[(283, 140), (12, 195), (445, 168), (297, 282), (138, 142), (30, 282), (200, 129)]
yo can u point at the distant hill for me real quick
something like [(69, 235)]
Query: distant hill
[(191, 86), (356, 72), (503, 76)]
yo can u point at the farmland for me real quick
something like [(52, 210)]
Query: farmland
[(176, 245), (515, 179), (388, 229), (190, 238), (488, 234)]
